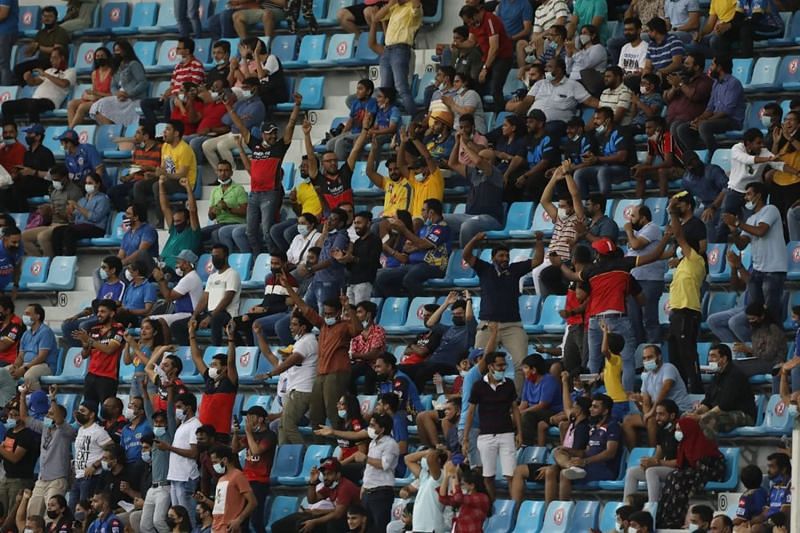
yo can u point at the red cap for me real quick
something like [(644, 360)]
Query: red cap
[(330, 464), (604, 246)]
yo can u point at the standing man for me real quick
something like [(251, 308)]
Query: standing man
[(381, 460), (402, 19), (188, 69), (103, 346), (500, 289), (362, 261), (643, 236), (183, 473), (234, 500)]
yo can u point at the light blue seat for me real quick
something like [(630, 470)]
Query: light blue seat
[(73, 371), (541, 222), (312, 48), (282, 506), (341, 47), (34, 270), (113, 236), (21, 219), (8, 92), (549, 320), (312, 89), (202, 51), (658, 208), (715, 257), (586, 516), (787, 74), (512, 84), (764, 76), (167, 58), (313, 457), (742, 68), (113, 15), (394, 312), (330, 14), (157, 89), (166, 21), (427, 79), (717, 301), (367, 403), (755, 110), (558, 517), (261, 400), (364, 55), (288, 175), (287, 462), (413, 323), (284, 47), (731, 478), (247, 358), (204, 267), (608, 518), (785, 39), (241, 263), (258, 276), (469, 278), (60, 277), (84, 59), (361, 184), (777, 421), (104, 141), (144, 14), (529, 312), (70, 403), (793, 299), (30, 19), (793, 270), (634, 457), (663, 309), (436, 18), (518, 218), (722, 158), (454, 269), (623, 211), (51, 134), (530, 517), (502, 517)]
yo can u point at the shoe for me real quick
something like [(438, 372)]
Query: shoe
[(574, 472)]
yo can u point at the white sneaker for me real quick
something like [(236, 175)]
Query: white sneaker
[(574, 472)]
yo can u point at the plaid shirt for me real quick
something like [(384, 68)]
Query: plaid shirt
[(375, 340), (472, 512)]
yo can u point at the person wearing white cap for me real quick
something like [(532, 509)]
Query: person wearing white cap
[(185, 294)]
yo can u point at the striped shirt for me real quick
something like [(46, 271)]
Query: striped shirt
[(191, 71), (147, 157), (548, 13), (563, 236), (619, 97), (660, 55)]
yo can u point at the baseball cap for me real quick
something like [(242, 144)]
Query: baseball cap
[(331, 464), (269, 127), (39, 403), (37, 129), (604, 246), (69, 135), (474, 354), (188, 256)]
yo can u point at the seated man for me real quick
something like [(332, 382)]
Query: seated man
[(185, 294), (612, 160), (662, 146), (540, 400), (52, 84)]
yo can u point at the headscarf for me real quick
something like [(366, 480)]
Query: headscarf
[(695, 445)]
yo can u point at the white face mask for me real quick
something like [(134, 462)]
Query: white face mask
[(693, 527), (549, 76), (219, 468), (128, 275), (678, 435), (766, 121), (632, 529), (618, 526), (713, 366), (562, 214), (601, 128), (225, 182), (180, 415), (128, 413), (302, 229), (213, 373), (365, 324), (179, 272), (372, 433), (643, 89), (89, 188), (749, 206), (419, 176), (584, 39), (57, 185)]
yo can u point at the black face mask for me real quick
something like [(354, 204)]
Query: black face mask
[(630, 38), (52, 515), (458, 321), (171, 523), (30, 139), (49, 26), (12, 249), (102, 62), (81, 418), (276, 271), (218, 262)]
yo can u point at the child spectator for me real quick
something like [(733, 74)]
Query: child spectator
[(754, 499), (612, 372)]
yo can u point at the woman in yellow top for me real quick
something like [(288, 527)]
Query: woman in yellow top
[(424, 176), (304, 199), (784, 185)]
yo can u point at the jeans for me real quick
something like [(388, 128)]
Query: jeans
[(262, 208), (154, 511), (320, 291), (730, 325), (689, 137), (793, 221), (378, 504), (234, 237), (604, 175), (180, 493), (282, 330), (405, 278), (621, 325), (711, 225), (283, 233), (767, 288), (496, 80), (81, 489), (394, 65), (684, 328), (342, 144), (267, 323), (7, 41), (645, 318), (467, 226), (187, 12)]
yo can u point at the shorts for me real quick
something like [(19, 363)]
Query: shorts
[(498, 447), (620, 410), (598, 472), (474, 457), (358, 12), (533, 471), (254, 16)]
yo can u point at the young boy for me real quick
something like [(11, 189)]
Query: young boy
[(753, 500), (612, 372)]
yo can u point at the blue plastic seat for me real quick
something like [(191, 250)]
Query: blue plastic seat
[(663, 309), (529, 517), (454, 269), (241, 263), (167, 58), (777, 421), (634, 457), (105, 144), (29, 20), (361, 184), (312, 48), (341, 48), (113, 236), (166, 21), (84, 59), (202, 51), (247, 359), (722, 158), (541, 222), (793, 251), (313, 457), (787, 74), (8, 92), (658, 208), (70, 403), (394, 312), (312, 89), (367, 403), (793, 299), (287, 462), (282, 506), (74, 369), (549, 320), (715, 257), (502, 517), (742, 68), (468, 277), (330, 14), (364, 55), (623, 210), (34, 270), (60, 277), (717, 301), (731, 478), (413, 323), (608, 518), (284, 47), (765, 72), (113, 15), (586, 516), (518, 218), (427, 79), (258, 276), (558, 517), (529, 312), (144, 14), (261, 400)]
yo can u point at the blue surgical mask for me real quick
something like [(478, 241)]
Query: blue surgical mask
[(159, 431), (678, 435), (103, 274), (11, 423), (498, 375), (302, 229), (749, 206), (47, 422), (146, 457), (330, 320), (766, 121), (28, 321), (793, 410), (342, 413), (649, 366)]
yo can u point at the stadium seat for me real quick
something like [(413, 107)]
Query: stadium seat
[(113, 236), (777, 421), (558, 517), (731, 478), (586, 516), (330, 13), (287, 462), (73, 371), (518, 218), (288, 175), (312, 48), (105, 142), (530, 517), (84, 59), (470, 279), (722, 158), (70, 403), (454, 269), (284, 47), (258, 275), (313, 457), (764, 76), (247, 359), (549, 320), (786, 39), (204, 267), (312, 89), (752, 118), (717, 301), (367, 403), (263, 400), (742, 68), (663, 310), (364, 56), (113, 15), (361, 184), (34, 270), (715, 257), (608, 518), (8, 93), (428, 78), (529, 311), (167, 58), (341, 48), (793, 251), (502, 517), (241, 263), (144, 14), (413, 323), (787, 74), (793, 300), (281, 507), (166, 21), (623, 211), (541, 222), (634, 457), (394, 312), (60, 277), (30, 19)]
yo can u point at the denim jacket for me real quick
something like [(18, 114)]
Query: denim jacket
[(130, 77)]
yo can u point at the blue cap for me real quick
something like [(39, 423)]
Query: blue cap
[(474, 354), (37, 129), (69, 135)]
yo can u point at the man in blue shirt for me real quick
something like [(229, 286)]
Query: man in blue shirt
[(779, 470), (140, 241), (362, 105), (132, 433), (38, 351), (106, 521), (542, 155), (9, 19), (725, 110), (81, 159), (612, 160), (140, 295), (707, 183), (541, 399), (10, 258), (329, 274)]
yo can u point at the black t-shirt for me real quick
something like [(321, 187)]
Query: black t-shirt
[(335, 190), (28, 439), (494, 406), (500, 288), (217, 73), (669, 446), (431, 338), (367, 252), (62, 526), (41, 159), (111, 482), (580, 438)]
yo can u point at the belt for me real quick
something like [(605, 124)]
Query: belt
[(608, 315), (398, 44), (159, 484), (378, 489)]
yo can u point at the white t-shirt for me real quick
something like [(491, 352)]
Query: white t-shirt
[(745, 170), (191, 287), (89, 447), (769, 251), (633, 58), (301, 378), (218, 284), (183, 468), (49, 90), (296, 254), (428, 512)]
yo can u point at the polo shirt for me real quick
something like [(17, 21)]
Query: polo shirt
[(359, 109), (752, 503), (652, 100), (138, 296), (494, 404), (548, 13), (335, 190), (50, 91), (386, 116), (406, 391), (558, 100), (335, 272), (13, 331), (111, 524), (513, 14), (11, 156), (730, 391), (615, 142), (41, 158), (485, 193), (234, 196), (8, 262), (455, 343), (188, 239), (404, 21), (216, 406), (542, 148), (612, 378), (652, 382), (619, 97), (503, 286), (768, 251), (660, 55), (573, 150), (683, 109), (677, 11), (490, 26), (547, 389), (219, 283), (727, 96), (586, 10), (439, 236), (149, 157), (334, 344), (133, 239), (102, 364), (179, 156), (684, 291), (604, 227), (599, 437), (431, 187), (609, 282), (192, 71), (725, 10), (397, 196), (42, 338), (780, 494), (83, 162), (131, 440)]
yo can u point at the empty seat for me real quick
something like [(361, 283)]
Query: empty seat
[(330, 13), (550, 320), (258, 276), (29, 20), (585, 516), (502, 517), (413, 323), (518, 219), (287, 462), (241, 263), (60, 277), (742, 68), (167, 58), (541, 222), (106, 144), (558, 516), (34, 270), (204, 267), (777, 420), (722, 158), (312, 48), (341, 48), (364, 54), (367, 403), (144, 14), (469, 278), (530, 517), (113, 15), (793, 269), (313, 457), (284, 47), (658, 208), (8, 93), (74, 368), (764, 76), (394, 312), (634, 457), (312, 89), (608, 518), (787, 73), (166, 21), (281, 507), (731, 478), (113, 236), (529, 312)]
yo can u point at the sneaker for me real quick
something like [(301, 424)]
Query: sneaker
[(531, 59), (574, 472)]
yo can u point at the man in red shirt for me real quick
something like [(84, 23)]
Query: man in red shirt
[(259, 443), (12, 153), (103, 345), (11, 330), (234, 500), (497, 50), (663, 146), (189, 69), (211, 113)]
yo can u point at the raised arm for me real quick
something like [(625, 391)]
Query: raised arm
[(288, 134), (313, 166), (452, 161), (191, 204), (468, 255), (163, 200), (233, 372), (197, 355)]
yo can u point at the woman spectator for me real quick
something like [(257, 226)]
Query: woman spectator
[(178, 519), (465, 489), (59, 514), (88, 217), (38, 241), (354, 426), (510, 147), (585, 55), (467, 100), (256, 61), (699, 461), (84, 515), (387, 118), (101, 87), (138, 352), (128, 86), (767, 350), (648, 103), (366, 347)]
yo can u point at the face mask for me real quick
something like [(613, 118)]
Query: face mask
[(47, 422), (30, 139), (601, 128), (365, 324), (182, 97), (219, 468), (89, 188), (221, 62), (302, 229), (214, 95), (146, 457), (52, 515), (793, 410), (57, 185), (179, 272), (81, 418), (27, 530), (562, 214), (459, 321), (28, 321), (128, 413), (218, 262), (678, 435), (630, 39), (342, 413), (632, 529), (225, 182), (749, 206), (766, 121), (105, 466), (180, 414), (128, 275), (713, 366), (649, 366), (419, 176), (213, 373), (549, 76), (171, 523), (80, 516), (11, 423), (9, 142), (498, 376), (463, 373), (619, 526), (552, 45), (584, 39), (575, 138), (693, 527), (643, 89), (372, 433), (330, 320), (159, 431)]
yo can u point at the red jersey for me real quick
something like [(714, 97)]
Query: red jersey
[(188, 127), (491, 25), (573, 303), (665, 145), (160, 397), (212, 116), (216, 407), (609, 283), (102, 364), (336, 190), (265, 165), (13, 332), (12, 156), (257, 467)]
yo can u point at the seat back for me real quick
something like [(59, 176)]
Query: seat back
[(367, 403), (364, 52), (722, 158), (75, 364), (246, 360), (519, 216), (394, 311), (105, 135), (168, 53), (241, 263), (529, 517), (62, 271), (608, 518), (542, 221), (787, 71), (341, 47), (416, 309), (166, 15), (8, 92), (793, 251), (715, 256), (282, 506), (765, 71), (776, 417), (29, 18), (550, 307), (558, 517), (585, 516), (85, 133), (34, 270), (288, 458), (312, 48), (202, 49), (262, 400), (624, 210), (741, 69), (314, 456), (312, 90), (204, 267), (720, 301), (754, 113), (529, 308), (261, 268), (144, 14), (284, 47), (84, 59), (663, 309), (114, 15), (502, 517)]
